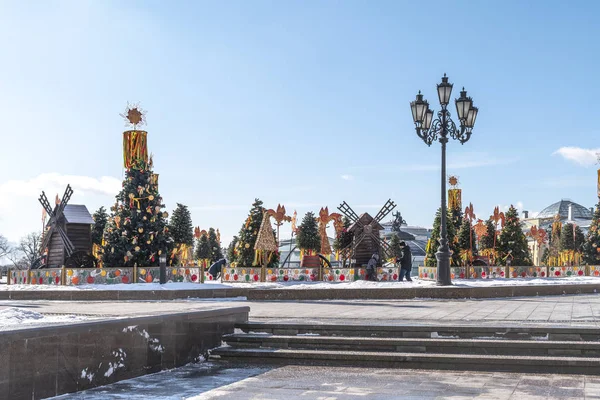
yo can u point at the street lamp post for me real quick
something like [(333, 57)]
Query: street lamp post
[(441, 129)]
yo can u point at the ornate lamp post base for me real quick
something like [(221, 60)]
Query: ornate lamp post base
[(443, 268)]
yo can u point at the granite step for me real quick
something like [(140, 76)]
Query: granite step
[(530, 332), (533, 364), (417, 345)]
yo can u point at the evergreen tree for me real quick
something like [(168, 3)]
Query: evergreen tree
[(203, 251), (395, 248), (248, 233), (308, 238), (180, 226), (232, 250), (570, 240), (466, 235), (512, 241), (137, 232), (591, 248), (487, 241), (215, 246), (435, 239), (100, 219)]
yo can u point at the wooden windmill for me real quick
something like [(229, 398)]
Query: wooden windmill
[(67, 237), (365, 228)]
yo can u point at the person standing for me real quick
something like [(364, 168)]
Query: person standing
[(372, 267), (405, 262)]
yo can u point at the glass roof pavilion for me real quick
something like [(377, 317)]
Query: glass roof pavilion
[(562, 208)]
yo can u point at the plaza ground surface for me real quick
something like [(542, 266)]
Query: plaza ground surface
[(583, 310), (218, 381), (212, 380)]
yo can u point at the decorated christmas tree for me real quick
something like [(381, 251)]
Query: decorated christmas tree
[(512, 243), (214, 243), (248, 234), (395, 249), (434, 241), (466, 246), (266, 251), (309, 239), (571, 240), (591, 248), (137, 233), (487, 241)]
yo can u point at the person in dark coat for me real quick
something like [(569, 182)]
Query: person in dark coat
[(372, 267), (405, 262), (215, 269)]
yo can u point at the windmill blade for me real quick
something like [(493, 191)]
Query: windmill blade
[(45, 203), (385, 210), (47, 236), (348, 212), (69, 248), (359, 239), (383, 244), (65, 199)]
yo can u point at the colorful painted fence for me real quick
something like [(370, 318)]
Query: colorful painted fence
[(561, 272), (388, 274), (339, 274), (46, 276), (292, 274), (18, 277), (239, 274), (183, 274), (98, 276), (527, 272), (148, 275), (428, 273)]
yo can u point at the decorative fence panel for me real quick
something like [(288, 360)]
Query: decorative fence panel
[(428, 273), (338, 274), (51, 276), (183, 274), (561, 272), (148, 275), (291, 274), (594, 270), (527, 272), (388, 274), (459, 273), (488, 272), (239, 274), (19, 277), (98, 276)]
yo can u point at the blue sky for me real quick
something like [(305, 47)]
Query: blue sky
[(304, 103)]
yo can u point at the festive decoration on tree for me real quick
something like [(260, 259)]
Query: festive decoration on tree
[(214, 243), (551, 255), (180, 227), (433, 243), (487, 240), (591, 248), (137, 233), (455, 207), (512, 243), (309, 239), (265, 245), (466, 245), (480, 230), (395, 248), (248, 234), (135, 148), (571, 245)]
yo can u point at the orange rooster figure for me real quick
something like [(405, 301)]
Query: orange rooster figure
[(324, 219), (279, 217)]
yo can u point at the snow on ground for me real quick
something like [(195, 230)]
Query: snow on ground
[(316, 285), (13, 317)]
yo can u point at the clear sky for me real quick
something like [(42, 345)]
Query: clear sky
[(304, 103)]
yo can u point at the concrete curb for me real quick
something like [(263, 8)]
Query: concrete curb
[(449, 292)]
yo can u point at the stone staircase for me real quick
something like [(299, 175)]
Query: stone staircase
[(539, 349)]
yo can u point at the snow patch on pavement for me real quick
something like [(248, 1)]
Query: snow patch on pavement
[(9, 317)]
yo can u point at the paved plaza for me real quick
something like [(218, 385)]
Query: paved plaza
[(216, 381), (557, 310)]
